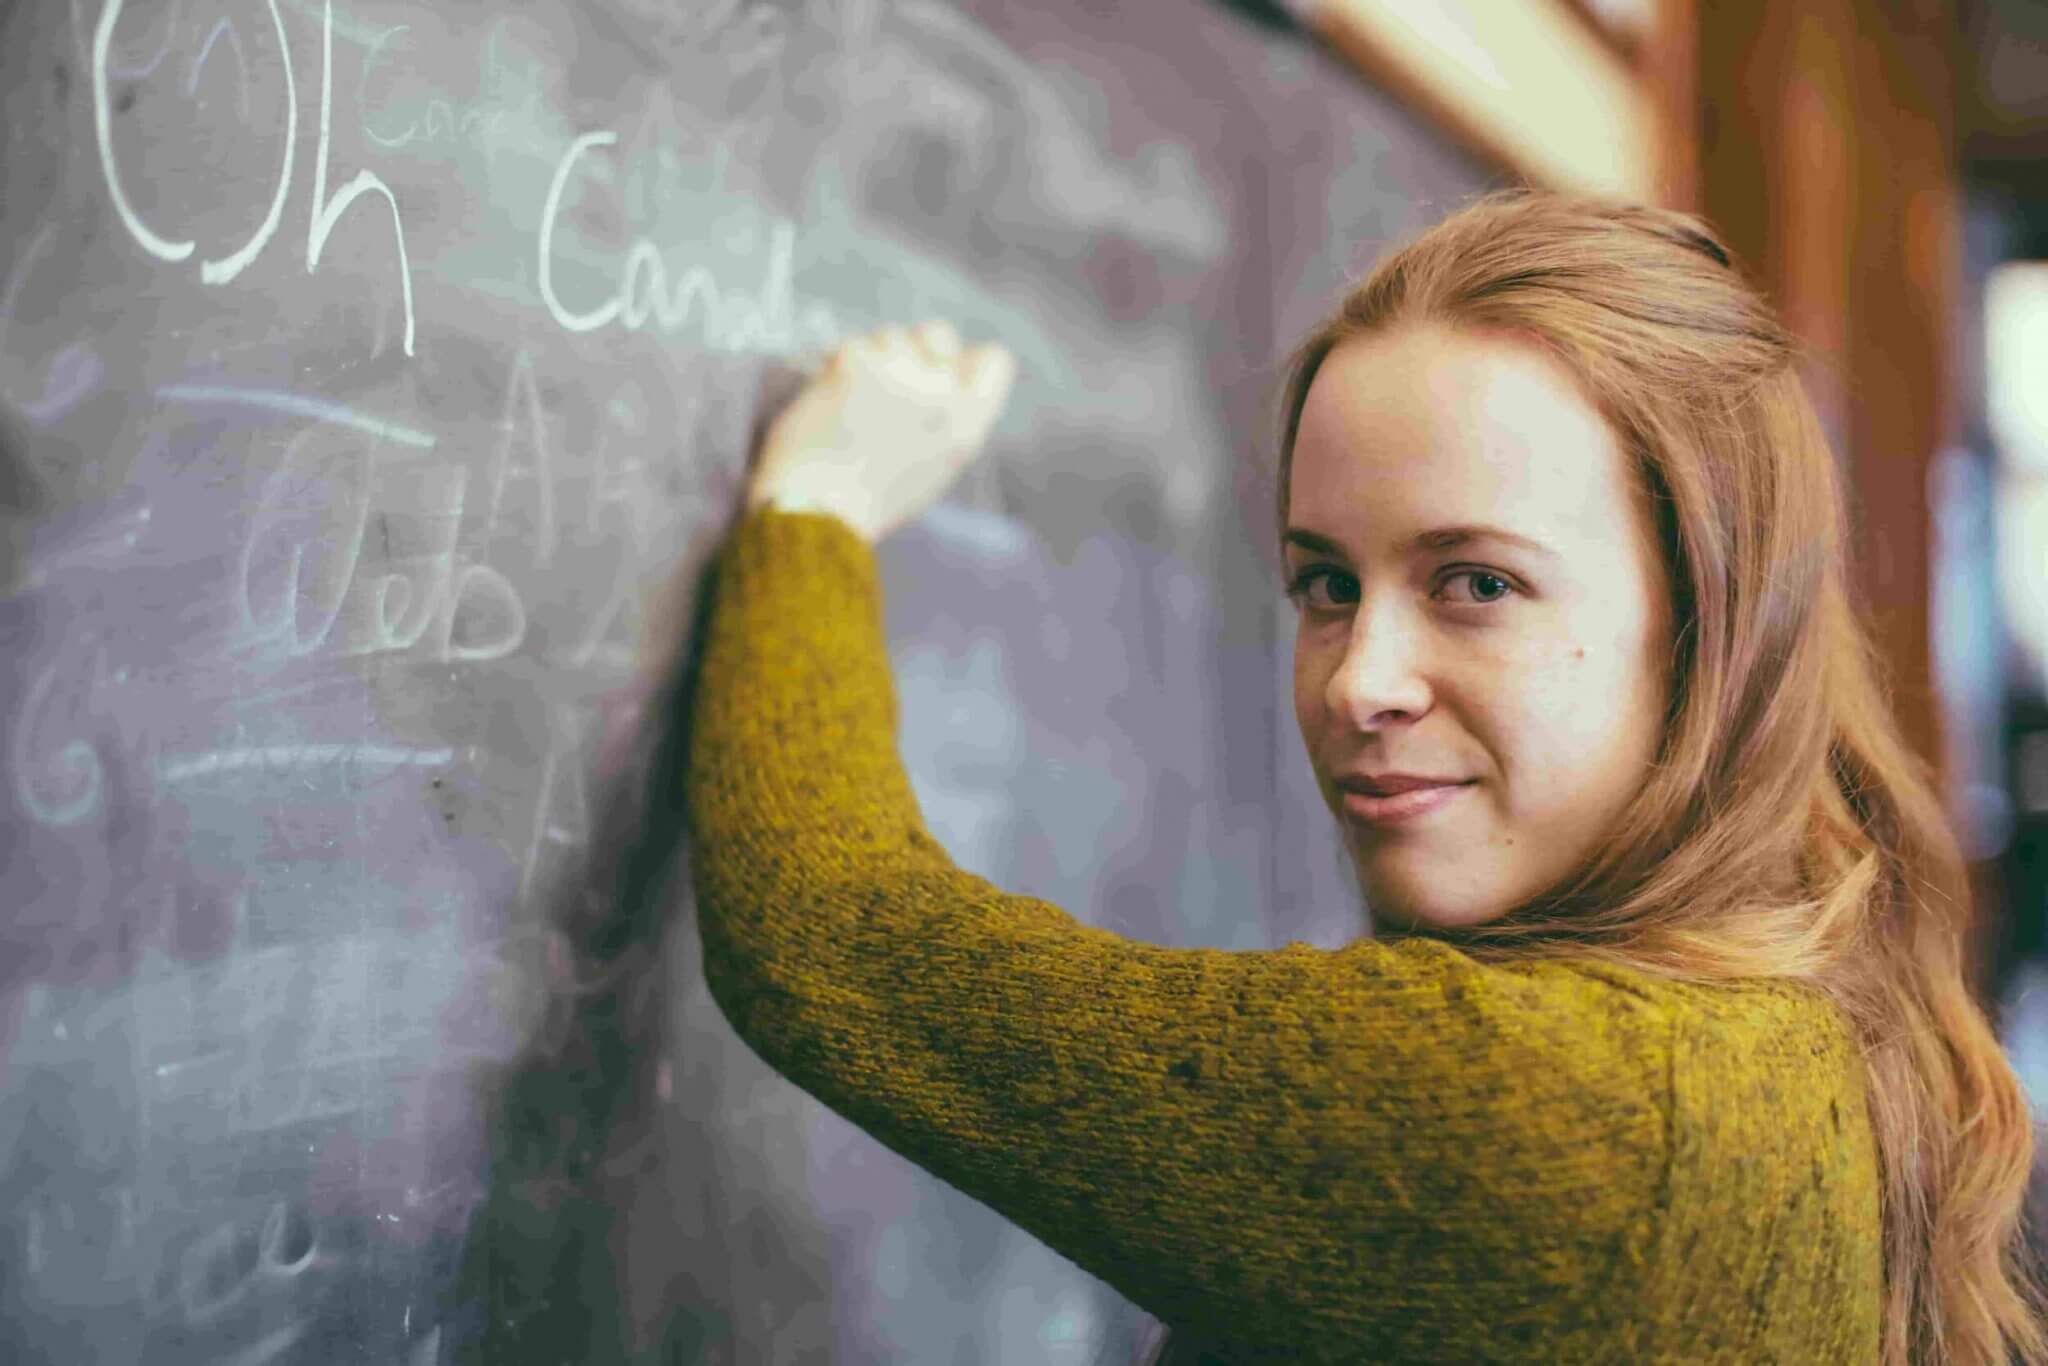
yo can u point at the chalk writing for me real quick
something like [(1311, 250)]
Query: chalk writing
[(103, 545), (74, 371), (299, 405), (223, 27), (87, 1237), (561, 813), (296, 487), (618, 479), (168, 29), (220, 1273), (499, 607), (75, 766), (223, 269), (731, 318), (283, 758), (293, 553), (326, 210), (522, 415), (444, 118), (102, 118), (218, 270)]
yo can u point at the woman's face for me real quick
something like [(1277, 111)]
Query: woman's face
[(1478, 600)]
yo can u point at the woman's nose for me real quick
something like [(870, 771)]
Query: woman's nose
[(1381, 678)]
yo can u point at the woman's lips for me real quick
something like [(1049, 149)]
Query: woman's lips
[(1401, 806)]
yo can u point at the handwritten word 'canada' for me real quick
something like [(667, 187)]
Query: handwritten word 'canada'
[(733, 318)]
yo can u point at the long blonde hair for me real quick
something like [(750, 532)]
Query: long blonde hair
[(1786, 830)]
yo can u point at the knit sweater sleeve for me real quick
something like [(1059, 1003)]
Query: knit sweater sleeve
[(1375, 1152)]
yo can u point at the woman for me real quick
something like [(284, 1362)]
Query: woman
[(1665, 1051)]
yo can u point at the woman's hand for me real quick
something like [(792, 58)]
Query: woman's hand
[(877, 435)]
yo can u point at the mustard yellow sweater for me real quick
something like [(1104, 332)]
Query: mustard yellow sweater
[(1384, 1152)]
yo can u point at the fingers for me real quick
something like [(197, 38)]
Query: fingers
[(940, 339), (988, 369), (985, 371), (936, 339)]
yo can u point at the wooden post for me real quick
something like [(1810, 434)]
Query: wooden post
[(1828, 157)]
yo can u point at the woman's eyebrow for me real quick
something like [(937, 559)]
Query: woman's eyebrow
[(1436, 538)]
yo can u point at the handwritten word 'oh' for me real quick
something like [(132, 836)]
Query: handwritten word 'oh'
[(326, 210)]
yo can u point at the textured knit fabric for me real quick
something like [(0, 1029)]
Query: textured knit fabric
[(1383, 1152)]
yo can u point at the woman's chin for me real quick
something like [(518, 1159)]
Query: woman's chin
[(1399, 904)]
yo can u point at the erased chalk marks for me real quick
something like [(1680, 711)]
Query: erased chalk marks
[(509, 95), (300, 405), (305, 548), (73, 372), (57, 781), (223, 27), (522, 417), (285, 758)]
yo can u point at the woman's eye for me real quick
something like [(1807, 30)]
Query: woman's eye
[(1298, 590), (1484, 588)]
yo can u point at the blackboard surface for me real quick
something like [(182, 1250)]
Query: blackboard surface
[(374, 380)]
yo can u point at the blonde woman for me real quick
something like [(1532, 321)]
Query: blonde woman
[(1663, 1051)]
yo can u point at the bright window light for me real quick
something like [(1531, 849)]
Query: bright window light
[(2016, 376), (2016, 362)]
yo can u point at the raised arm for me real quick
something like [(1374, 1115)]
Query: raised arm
[(1297, 1155)]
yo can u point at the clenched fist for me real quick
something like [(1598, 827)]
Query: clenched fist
[(889, 421)]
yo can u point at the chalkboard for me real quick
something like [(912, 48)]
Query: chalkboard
[(375, 381)]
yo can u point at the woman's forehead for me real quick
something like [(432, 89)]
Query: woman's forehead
[(1404, 433)]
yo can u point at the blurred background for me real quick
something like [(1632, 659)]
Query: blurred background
[(1883, 166), (310, 830)]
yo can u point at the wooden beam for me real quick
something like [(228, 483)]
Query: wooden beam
[(1830, 165), (1626, 42), (1523, 84), (1669, 65)]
